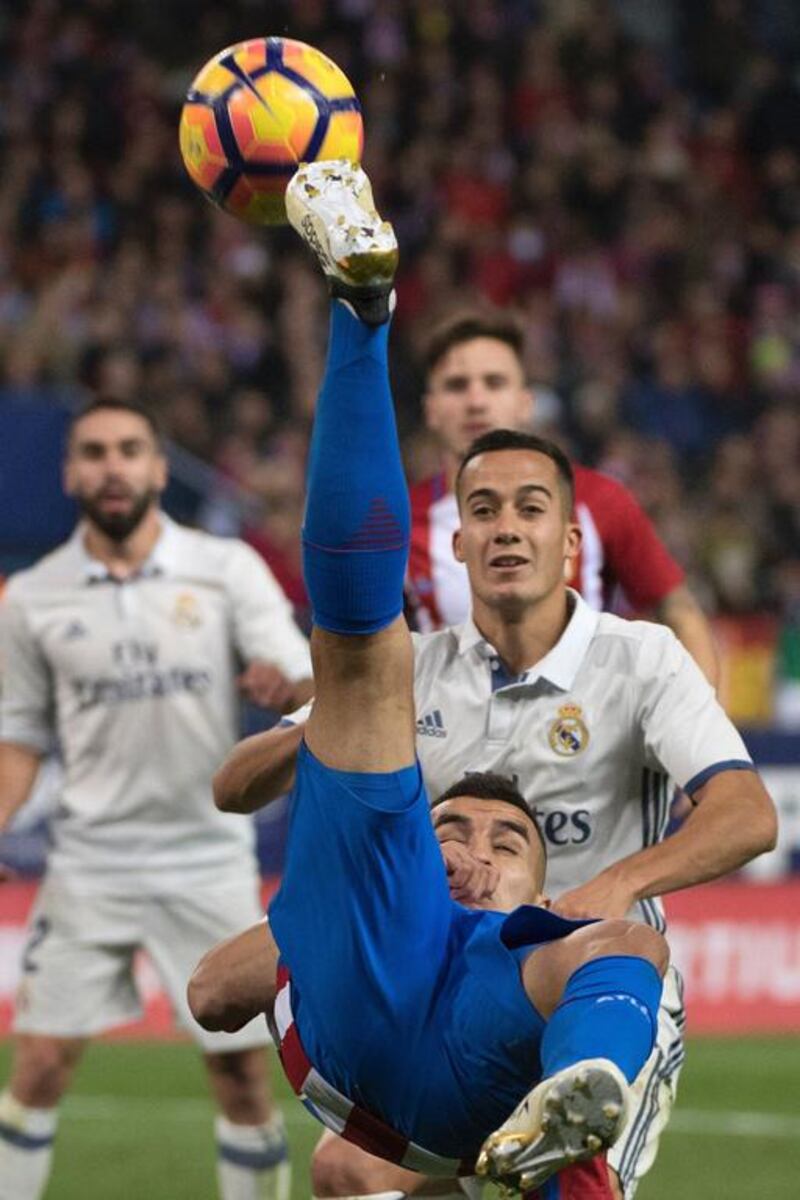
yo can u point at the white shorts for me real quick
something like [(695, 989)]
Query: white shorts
[(653, 1092), (77, 970)]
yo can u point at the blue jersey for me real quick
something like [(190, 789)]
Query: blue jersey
[(406, 1005)]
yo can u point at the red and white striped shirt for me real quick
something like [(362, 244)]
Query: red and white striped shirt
[(620, 549)]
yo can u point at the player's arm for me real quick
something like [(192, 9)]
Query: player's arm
[(681, 612), (277, 673), (19, 766), (733, 822), (235, 980), (258, 769), (684, 729), (24, 709)]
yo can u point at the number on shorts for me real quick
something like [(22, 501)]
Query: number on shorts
[(39, 931)]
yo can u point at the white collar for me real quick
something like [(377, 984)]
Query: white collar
[(158, 562), (561, 663)]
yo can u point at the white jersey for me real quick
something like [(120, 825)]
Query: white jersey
[(592, 734), (138, 678)]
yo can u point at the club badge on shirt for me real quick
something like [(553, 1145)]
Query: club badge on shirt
[(186, 611), (568, 734)]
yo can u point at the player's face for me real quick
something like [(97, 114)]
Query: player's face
[(503, 836), (476, 386), (516, 536), (115, 470)]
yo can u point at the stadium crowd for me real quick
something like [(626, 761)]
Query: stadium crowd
[(625, 176)]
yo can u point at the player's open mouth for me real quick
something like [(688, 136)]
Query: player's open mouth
[(506, 562)]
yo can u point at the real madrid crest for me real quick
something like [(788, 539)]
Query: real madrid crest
[(568, 734), (186, 612)]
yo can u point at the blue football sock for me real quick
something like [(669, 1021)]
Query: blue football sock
[(356, 529), (609, 1009)]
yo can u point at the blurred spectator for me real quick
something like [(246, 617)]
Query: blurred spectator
[(627, 176)]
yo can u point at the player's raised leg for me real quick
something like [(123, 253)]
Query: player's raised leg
[(355, 535), (599, 989)]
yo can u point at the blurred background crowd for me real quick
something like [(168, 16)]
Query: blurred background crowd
[(624, 174)]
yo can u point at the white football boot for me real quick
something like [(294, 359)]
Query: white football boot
[(330, 205), (567, 1118)]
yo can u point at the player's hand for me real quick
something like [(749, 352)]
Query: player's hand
[(470, 879), (607, 896), (265, 685)]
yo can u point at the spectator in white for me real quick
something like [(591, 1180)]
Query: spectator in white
[(129, 641)]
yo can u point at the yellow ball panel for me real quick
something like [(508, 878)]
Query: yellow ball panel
[(317, 68), (258, 201), (344, 137), (213, 78), (278, 129), (201, 149)]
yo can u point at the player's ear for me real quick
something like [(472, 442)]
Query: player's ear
[(573, 538), (458, 548)]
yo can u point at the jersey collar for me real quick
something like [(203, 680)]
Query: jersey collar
[(560, 665), (159, 561)]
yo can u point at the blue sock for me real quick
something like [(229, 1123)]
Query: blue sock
[(609, 1009), (356, 528)]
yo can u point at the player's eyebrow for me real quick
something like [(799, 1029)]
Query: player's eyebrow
[(512, 827), (491, 494), (454, 818)]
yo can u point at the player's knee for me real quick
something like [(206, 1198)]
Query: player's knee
[(633, 938), (43, 1068)]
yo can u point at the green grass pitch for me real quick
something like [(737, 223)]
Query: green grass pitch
[(137, 1126)]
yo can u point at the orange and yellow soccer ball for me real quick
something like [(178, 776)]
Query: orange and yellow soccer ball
[(254, 112)]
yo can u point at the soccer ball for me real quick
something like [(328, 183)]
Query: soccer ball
[(254, 112)]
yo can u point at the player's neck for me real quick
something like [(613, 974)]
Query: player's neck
[(126, 557), (523, 637)]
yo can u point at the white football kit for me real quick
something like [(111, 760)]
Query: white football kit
[(592, 734), (138, 679)]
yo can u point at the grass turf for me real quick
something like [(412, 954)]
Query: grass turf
[(137, 1126)]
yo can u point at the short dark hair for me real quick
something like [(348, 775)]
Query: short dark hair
[(467, 325), (513, 439), (115, 404), (490, 785)]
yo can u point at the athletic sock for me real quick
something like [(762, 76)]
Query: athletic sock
[(26, 1148), (253, 1160), (609, 1009), (356, 529)]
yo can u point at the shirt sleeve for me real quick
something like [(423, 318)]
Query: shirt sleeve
[(299, 715), (264, 627), (26, 695), (687, 732), (636, 556)]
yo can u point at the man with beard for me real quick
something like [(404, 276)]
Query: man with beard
[(131, 641)]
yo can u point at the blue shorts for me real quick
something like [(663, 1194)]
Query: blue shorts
[(406, 1002)]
